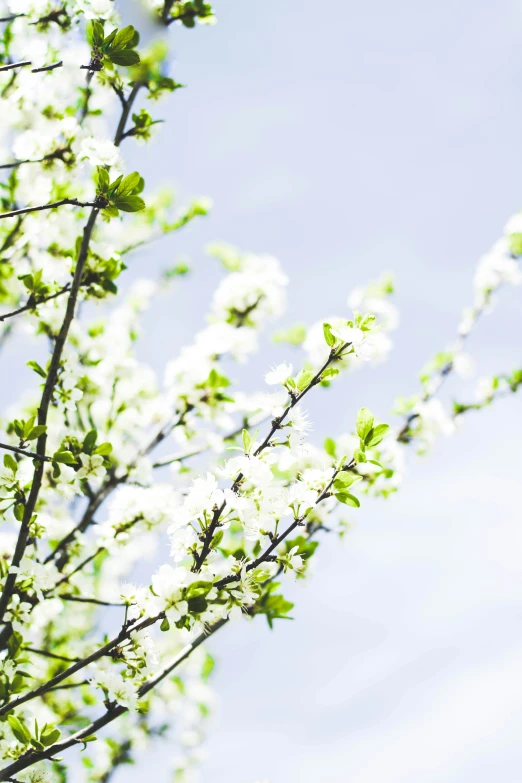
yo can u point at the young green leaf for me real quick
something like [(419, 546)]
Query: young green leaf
[(347, 499), (376, 435), (125, 57), (36, 367), (128, 184), (247, 440), (89, 442), (10, 463), (364, 422), (64, 457), (104, 449), (129, 203), (328, 336)]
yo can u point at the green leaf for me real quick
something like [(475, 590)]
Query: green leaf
[(65, 457), (89, 442), (303, 379), (197, 604), (129, 203), (10, 463), (347, 499), (123, 38), (330, 447), (247, 440), (208, 666), (14, 644), (36, 432), (36, 367), (330, 372), (111, 211), (376, 435), (217, 539), (18, 511), (328, 336), (113, 187), (128, 184), (49, 736), (364, 422), (165, 625), (20, 731), (125, 57), (103, 178), (97, 33), (104, 449), (346, 479), (199, 588), (107, 42)]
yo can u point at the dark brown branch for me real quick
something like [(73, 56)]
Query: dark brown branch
[(124, 634), (80, 599), (69, 686), (48, 654), (11, 66), (113, 712), (32, 305), (72, 201), (24, 452), (48, 67), (50, 382), (120, 130), (43, 410), (79, 567)]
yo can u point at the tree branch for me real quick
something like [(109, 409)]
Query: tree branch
[(43, 410), (72, 201), (11, 66), (24, 452), (280, 538), (124, 634), (276, 425), (48, 67), (113, 712), (34, 304)]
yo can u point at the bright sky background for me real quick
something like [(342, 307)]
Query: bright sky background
[(350, 138)]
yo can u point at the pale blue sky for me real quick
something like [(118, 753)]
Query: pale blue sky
[(348, 138)]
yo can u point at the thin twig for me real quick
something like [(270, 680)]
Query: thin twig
[(33, 305), (24, 452), (48, 654), (200, 558), (80, 599), (113, 712), (124, 634), (11, 66), (47, 67), (72, 201)]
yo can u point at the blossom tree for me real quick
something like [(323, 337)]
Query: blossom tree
[(101, 459)]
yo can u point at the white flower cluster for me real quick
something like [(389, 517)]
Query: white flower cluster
[(373, 298)]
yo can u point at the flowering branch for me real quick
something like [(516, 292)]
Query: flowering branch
[(335, 355), (33, 304), (113, 711)]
